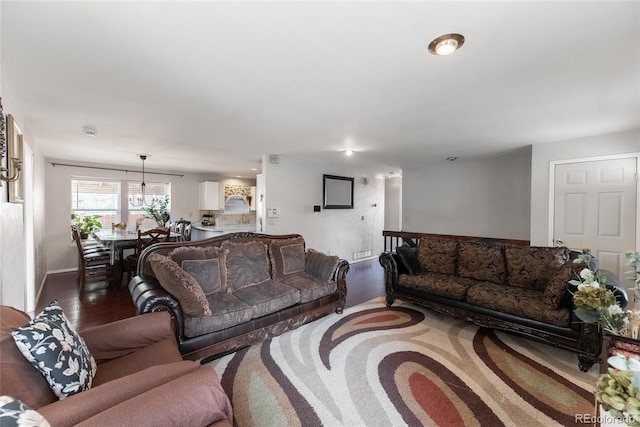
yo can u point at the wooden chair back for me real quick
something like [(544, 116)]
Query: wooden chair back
[(151, 237)]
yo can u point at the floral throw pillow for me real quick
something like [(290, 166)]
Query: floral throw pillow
[(15, 413), (55, 349)]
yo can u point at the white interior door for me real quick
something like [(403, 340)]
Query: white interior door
[(595, 208)]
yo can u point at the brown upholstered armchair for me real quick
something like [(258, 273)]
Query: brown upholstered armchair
[(141, 380)]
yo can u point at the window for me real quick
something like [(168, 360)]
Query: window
[(98, 197), (93, 197), (152, 189)]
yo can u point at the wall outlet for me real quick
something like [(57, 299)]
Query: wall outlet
[(273, 213)]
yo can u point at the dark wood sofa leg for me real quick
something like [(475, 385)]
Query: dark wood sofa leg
[(589, 345), (390, 301), (586, 361)]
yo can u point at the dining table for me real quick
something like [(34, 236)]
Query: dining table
[(117, 240)]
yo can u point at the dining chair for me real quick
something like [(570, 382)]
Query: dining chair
[(94, 262), (186, 232), (145, 239)]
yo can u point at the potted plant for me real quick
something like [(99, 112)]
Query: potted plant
[(158, 211), (87, 224)]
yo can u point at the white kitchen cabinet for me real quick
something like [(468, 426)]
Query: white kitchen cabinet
[(209, 196)]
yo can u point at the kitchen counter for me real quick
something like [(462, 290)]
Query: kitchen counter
[(200, 232)]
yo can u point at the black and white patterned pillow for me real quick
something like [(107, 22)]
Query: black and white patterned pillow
[(55, 349), (15, 413)]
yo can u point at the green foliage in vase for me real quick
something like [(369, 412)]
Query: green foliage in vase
[(86, 224), (158, 211)]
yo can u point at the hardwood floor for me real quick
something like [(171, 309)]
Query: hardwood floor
[(98, 304)]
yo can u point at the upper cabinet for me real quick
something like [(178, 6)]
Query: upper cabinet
[(209, 196)]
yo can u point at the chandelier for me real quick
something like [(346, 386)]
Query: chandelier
[(140, 200)]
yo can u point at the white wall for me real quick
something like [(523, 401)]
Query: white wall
[(294, 187), (21, 284), (60, 252), (486, 198), (393, 204), (543, 154)]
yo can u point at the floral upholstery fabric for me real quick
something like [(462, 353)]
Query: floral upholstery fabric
[(438, 255), (227, 311), (13, 412), (438, 284), (309, 287), (53, 347), (557, 286), (247, 264), (527, 303), (268, 297), (287, 256), (532, 267), (481, 262)]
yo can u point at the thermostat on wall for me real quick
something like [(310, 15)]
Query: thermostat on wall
[(273, 213)]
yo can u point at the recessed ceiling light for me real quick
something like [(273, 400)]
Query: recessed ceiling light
[(90, 132), (254, 169), (348, 152), (452, 159), (446, 44)]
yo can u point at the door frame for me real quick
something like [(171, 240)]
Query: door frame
[(552, 189)]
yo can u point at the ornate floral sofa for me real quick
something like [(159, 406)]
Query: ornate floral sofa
[(499, 284), (234, 290)]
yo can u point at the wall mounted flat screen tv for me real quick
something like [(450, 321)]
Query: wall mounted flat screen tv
[(338, 192)]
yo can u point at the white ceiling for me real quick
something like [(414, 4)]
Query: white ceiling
[(210, 86)]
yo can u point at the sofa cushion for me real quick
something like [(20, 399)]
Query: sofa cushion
[(408, 257), (205, 264), (287, 256), (13, 412), (522, 302), (159, 353), (533, 266), (320, 265), (444, 285), (557, 286), (181, 285), (309, 287), (228, 310), (247, 264), (481, 262), (268, 297), (437, 255), (54, 348)]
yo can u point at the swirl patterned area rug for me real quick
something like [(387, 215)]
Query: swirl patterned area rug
[(372, 366)]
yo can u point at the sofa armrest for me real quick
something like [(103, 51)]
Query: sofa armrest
[(81, 406), (617, 287), (388, 261), (125, 336), (149, 296), (195, 399)]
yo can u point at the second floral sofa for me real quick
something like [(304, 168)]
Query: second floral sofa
[(498, 284)]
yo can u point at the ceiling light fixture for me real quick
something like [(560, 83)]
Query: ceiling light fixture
[(348, 152), (446, 44), (91, 132), (141, 201), (452, 159)]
